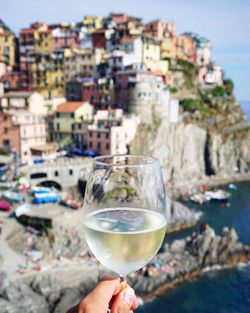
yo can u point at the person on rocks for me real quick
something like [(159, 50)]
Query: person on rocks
[(109, 295)]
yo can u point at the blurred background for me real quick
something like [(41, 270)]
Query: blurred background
[(162, 78)]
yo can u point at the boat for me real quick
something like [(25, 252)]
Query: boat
[(13, 196), (200, 198), (46, 198), (219, 195), (40, 190), (6, 185), (5, 206), (22, 209), (232, 186)]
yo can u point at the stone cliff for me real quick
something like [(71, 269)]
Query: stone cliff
[(215, 141)]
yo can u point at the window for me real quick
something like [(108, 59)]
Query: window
[(57, 115), (90, 144), (107, 146), (79, 126), (72, 127), (5, 117), (38, 175), (107, 135), (6, 142), (6, 130), (90, 134), (72, 115), (99, 145), (58, 127), (98, 135), (25, 153), (56, 173), (70, 172)]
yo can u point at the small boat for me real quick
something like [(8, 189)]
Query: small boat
[(40, 190), (13, 196), (46, 198), (73, 204), (200, 198), (219, 195), (5, 206), (232, 187), (22, 209), (7, 185)]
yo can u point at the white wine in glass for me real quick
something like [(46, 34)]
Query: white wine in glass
[(124, 211)]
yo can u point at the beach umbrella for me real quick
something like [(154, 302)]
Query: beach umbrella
[(5, 206)]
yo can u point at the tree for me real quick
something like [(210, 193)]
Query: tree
[(229, 86)]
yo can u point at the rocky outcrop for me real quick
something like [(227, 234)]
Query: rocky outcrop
[(186, 258), (181, 217), (54, 292), (189, 150)]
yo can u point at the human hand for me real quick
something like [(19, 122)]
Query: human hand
[(108, 294)]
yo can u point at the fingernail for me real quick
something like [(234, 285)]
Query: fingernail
[(128, 296)]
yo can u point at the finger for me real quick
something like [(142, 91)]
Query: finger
[(98, 300), (124, 301), (135, 304)]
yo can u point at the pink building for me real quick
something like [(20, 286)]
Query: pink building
[(160, 29), (111, 132), (20, 131), (65, 38)]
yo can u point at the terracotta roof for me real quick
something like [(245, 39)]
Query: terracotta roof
[(27, 31), (18, 94), (70, 106), (127, 40)]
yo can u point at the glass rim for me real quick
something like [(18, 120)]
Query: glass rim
[(150, 160)]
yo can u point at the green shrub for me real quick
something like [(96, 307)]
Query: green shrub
[(191, 105), (218, 91), (229, 86)]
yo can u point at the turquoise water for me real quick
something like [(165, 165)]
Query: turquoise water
[(226, 291)]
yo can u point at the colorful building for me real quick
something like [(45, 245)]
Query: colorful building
[(211, 75), (151, 50), (185, 48), (92, 23), (7, 48), (111, 132), (65, 36), (32, 102), (68, 116), (20, 130), (82, 63), (203, 49), (160, 29), (99, 93)]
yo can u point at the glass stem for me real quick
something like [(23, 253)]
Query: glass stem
[(123, 280)]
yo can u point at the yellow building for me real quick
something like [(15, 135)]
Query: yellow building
[(48, 74), (150, 50), (92, 23), (44, 41), (68, 116), (7, 47), (168, 48)]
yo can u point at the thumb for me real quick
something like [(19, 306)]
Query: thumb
[(125, 301)]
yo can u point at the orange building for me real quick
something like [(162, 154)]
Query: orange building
[(160, 29)]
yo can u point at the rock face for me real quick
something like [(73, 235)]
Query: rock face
[(54, 292), (180, 216), (184, 257), (189, 150)]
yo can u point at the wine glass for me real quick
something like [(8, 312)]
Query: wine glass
[(125, 213)]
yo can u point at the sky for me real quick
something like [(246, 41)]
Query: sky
[(225, 22)]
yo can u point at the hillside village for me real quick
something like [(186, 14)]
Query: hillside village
[(86, 86)]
